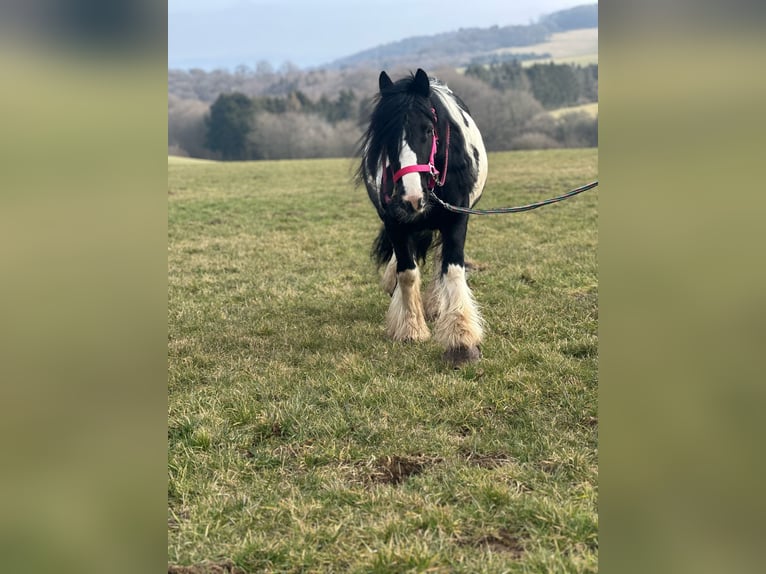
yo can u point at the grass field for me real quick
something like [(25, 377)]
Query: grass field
[(590, 109), (301, 439), (571, 47)]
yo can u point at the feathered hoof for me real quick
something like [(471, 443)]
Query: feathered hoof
[(412, 336), (459, 356)]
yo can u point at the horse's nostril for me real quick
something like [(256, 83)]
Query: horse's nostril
[(415, 202)]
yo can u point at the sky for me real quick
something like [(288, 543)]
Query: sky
[(227, 33)]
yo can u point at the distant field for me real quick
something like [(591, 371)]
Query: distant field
[(572, 47), (178, 160), (301, 439), (590, 109)]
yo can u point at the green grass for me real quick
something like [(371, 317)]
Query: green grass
[(301, 439)]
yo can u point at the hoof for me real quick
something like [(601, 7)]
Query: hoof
[(459, 356)]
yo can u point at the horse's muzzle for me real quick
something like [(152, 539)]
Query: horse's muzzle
[(417, 203), (405, 211)]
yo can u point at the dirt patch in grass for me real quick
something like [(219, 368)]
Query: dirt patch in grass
[(394, 469), (590, 421), (526, 277), (226, 567), (502, 541)]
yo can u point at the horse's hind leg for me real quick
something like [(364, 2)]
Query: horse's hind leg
[(431, 299), (459, 326)]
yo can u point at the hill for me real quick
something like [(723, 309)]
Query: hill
[(475, 45), (577, 18)]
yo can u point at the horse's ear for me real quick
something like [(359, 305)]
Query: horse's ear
[(422, 84), (384, 82)]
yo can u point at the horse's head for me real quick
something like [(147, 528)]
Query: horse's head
[(403, 131)]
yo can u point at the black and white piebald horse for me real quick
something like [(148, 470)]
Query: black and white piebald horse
[(421, 138)]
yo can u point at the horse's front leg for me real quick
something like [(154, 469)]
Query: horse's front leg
[(405, 320), (459, 326)]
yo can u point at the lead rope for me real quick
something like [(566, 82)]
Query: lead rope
[(519, 209)]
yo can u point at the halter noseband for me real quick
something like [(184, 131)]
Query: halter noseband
[(430, 167)]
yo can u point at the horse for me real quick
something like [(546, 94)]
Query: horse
[(421, 139)]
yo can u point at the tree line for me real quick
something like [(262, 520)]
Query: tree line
[(239, 127), (553, 85), (296, 114)]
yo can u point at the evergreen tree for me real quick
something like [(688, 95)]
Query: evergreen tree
[(228, 126), (553, 85)]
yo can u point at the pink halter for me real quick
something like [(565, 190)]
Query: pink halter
[(430, 167)]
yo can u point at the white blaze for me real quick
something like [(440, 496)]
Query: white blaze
[(413, 187)]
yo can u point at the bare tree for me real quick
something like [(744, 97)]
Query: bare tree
[(186, 127), (296, 135)]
